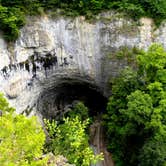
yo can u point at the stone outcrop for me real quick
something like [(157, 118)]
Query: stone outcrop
[(57, 160), (53, 51)]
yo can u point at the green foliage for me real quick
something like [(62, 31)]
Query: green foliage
[(71, 141), (4, 105), (127, 53), (79, 110), (12, 12), (135, 118), (135, 9), (70, 138), (21, 138), (152, 62), (11, 19), (154, 151), (139, 107), (123, 86), (51, 127)]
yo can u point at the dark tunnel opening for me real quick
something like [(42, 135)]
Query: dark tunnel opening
[(54, 103)]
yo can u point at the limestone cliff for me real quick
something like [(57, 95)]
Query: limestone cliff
[(55, 51)]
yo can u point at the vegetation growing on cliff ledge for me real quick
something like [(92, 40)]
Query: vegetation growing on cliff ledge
[(12, 12)]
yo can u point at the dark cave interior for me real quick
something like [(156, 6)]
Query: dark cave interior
[(54, 103)]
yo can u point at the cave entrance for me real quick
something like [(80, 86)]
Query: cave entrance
[(53, 103)]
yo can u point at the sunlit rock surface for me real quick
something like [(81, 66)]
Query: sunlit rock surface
[(52, 51)]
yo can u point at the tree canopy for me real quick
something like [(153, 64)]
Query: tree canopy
[(135, 118), (70, 138), (21, 138), (12, 12)]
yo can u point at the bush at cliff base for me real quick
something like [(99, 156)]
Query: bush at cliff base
[(21, 138)]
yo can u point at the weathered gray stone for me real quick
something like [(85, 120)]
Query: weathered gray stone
[(80, 51)]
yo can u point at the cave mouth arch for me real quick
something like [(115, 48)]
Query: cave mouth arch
[(53, 102)]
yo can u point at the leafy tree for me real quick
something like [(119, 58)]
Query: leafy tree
[(135, 118), (153, 151), (21, 138), (79, 110), (10, 21), (152, 62), (72, 142), (70, 138)]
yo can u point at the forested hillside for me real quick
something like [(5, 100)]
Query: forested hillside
[(136, 111), (12, 13)]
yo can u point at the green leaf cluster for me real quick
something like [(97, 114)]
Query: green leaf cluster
[(136, 112), (70, 138), (79, 110), (11, 20), (21, 138)]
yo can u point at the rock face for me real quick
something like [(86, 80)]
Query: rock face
[(51, 52), (98, 143)]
